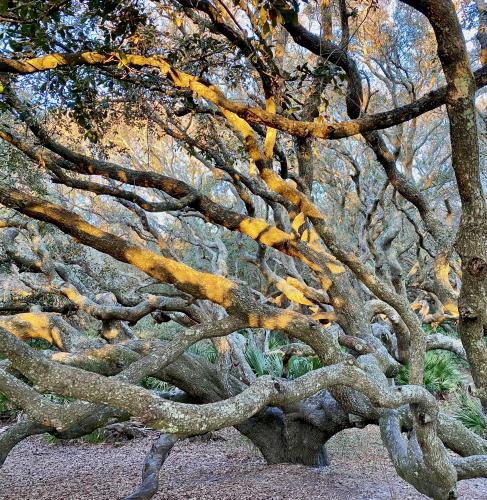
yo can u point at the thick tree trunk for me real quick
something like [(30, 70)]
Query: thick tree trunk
[(283, 440), (297, 435)]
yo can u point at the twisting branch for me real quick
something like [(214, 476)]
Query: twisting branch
[(337, 130)]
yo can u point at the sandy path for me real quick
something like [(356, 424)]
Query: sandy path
[(227, 470)]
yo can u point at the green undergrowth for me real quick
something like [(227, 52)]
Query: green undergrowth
[(98, 436), (204, 349), (441, 373), (155, 384), (7, 409), (264, 363), (469, 412), (271, 363)]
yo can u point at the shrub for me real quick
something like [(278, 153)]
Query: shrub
[(440, 373), (7, 410), (205, 350), (272, 364), (276, 340), (50, 439), (3, 404), (428, 329), (154, 384), (263, 364), (40, 344), (60, 400), (469, 413), (298, 366), (96, 437)]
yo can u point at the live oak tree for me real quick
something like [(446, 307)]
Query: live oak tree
[(233, 171)]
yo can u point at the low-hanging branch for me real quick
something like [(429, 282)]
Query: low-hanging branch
[(178, 418)]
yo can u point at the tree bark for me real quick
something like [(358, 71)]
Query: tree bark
[(152, 465), (297, 435), (283, 441)]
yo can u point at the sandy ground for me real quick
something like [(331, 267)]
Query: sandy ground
[(225, 469)]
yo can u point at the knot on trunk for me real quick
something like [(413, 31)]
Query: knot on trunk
[(477, 267), (467, 312), (425, 418)]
